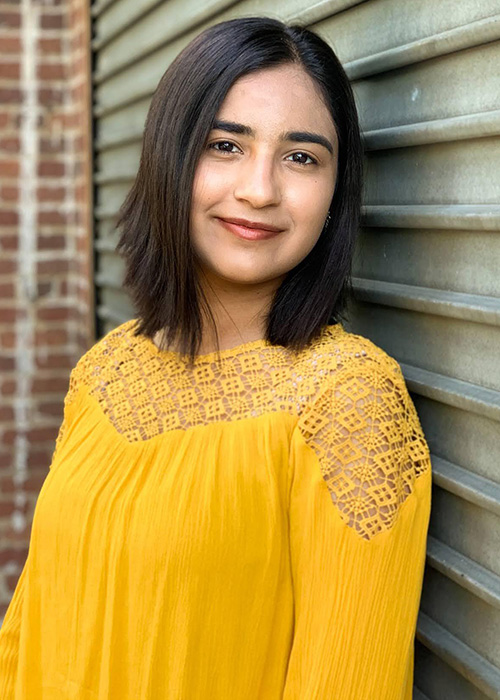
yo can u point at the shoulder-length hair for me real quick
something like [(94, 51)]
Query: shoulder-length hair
[(160, 271)]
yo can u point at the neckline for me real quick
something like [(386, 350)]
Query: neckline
[(227, 352)]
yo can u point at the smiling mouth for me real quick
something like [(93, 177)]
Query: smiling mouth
[(250, 234)]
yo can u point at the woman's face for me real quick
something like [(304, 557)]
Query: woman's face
[(262, 164)]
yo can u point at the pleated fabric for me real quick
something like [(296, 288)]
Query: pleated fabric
[(250, 528)]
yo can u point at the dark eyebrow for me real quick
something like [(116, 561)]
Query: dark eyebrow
[(298, 136)]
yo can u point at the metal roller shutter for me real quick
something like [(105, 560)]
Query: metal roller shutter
[(426, 77)]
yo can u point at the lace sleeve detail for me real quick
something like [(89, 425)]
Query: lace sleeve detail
[(366, 432)]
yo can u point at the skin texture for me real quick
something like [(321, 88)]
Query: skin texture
[(262, 178)]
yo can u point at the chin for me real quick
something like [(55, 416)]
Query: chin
[(243, 276)]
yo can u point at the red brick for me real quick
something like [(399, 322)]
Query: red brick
[(9, 242), (50, 96), (56, 242), (34, 482), (10, 44), (53, 267), (36, 476), (9, 437), (59, 361), (5, 117), (11, 581), (10, 144), (20, 536), (9, 69), (77, 15), (50, 71), (9, 193), (51, 145), (80, 143), (7, 266), (50, 46), (7, 290), (51, 408), (50, 168), (35, 435), (7, 364), (43, 288), (7, 485), (79, 92), (8, 218), (8, 387), (52, 21), (6, 508), (57, 313), (9, 168), (10, 19), (51, 218), (67, 121), (8, 340), (54, 385), (65, 288), (11, 315), (51, 194), (10, 554), (10, 95), (39, 459), (6, 459), (56, 336), (6, 414)]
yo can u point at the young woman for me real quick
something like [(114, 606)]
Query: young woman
[(238, 502)]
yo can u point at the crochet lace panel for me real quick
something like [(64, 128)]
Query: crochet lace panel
[(371, 447), (348, 395)]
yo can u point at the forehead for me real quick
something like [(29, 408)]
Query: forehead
[(279, 96)]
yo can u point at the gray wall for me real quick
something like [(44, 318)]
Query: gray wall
[(427, 84)]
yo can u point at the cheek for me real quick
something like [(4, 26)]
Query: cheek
[(305, 241), (309, 205), (209, 186), (200, 184)]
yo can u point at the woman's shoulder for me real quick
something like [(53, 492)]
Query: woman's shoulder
[(338, 349), (113, 349)]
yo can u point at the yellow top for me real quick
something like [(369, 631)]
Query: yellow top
[(249, 529)]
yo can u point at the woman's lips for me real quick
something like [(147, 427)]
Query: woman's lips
[(251, 234)]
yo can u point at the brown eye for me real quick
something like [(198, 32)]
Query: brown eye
[(304, 156), (230, 144)]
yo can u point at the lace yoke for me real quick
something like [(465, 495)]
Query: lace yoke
[(348, 396)]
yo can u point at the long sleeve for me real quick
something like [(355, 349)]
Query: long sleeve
[(11, 626), (70, 405), (9, 639), (360, 497)]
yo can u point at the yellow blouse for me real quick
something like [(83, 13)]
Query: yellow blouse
[(249, 529)]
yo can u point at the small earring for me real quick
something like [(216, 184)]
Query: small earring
[(328, 218)]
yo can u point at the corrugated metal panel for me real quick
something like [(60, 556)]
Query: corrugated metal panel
[(426, 79)]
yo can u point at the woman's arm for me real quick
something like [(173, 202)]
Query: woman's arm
[(360, 498), (9, 639), (11, 627)]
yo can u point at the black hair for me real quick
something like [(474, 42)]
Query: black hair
[(160, 270)]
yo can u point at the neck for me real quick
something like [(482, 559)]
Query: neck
[(240, 312)]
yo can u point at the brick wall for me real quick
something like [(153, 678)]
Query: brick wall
[(46, 302)]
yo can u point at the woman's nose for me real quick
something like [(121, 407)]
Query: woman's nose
[(258, 182)]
